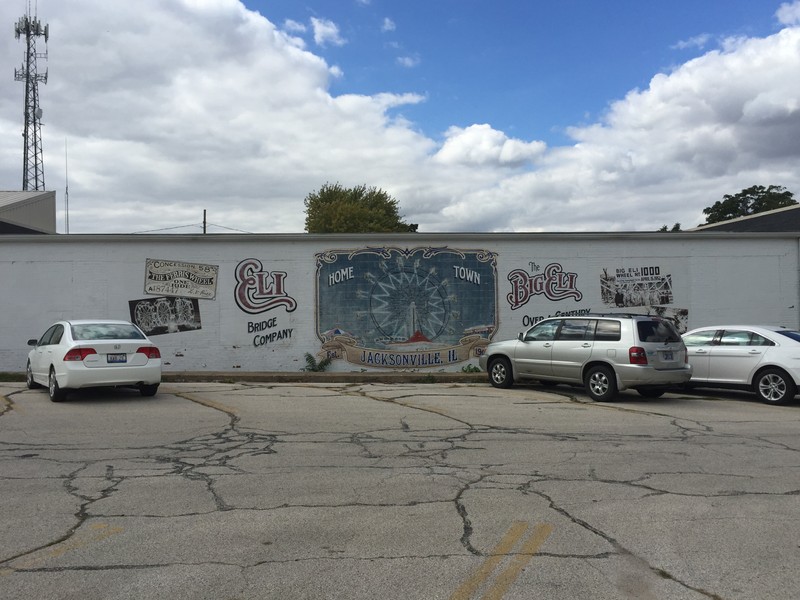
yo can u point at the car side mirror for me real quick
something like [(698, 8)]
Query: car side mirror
[(521, 336), (32, 342)]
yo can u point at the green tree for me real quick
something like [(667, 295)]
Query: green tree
[(676, 227), (336, 209), (749, 201)]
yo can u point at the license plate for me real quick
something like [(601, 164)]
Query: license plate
[(667, 355), (117, 358)]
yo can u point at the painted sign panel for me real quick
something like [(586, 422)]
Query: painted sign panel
[(258, 291), (553, 287), (406, 308), (156, 316), (174, 278), (644, 289)]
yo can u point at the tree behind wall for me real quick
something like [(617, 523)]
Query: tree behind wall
[(336, 209), (749, 201)]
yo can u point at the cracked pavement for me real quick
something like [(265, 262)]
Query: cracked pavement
[(361, 491)]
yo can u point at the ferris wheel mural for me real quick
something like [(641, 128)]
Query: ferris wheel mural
[(405, 308)]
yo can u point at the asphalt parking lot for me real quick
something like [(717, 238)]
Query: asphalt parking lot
[(389, 490)]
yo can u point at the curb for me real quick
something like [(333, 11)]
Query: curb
[(322, 377)]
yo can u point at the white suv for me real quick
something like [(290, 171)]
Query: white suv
[(605, 353)]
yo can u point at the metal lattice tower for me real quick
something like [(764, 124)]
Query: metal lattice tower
[(31, 28)]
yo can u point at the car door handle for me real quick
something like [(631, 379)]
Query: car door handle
[(700, 351), (754, 352)]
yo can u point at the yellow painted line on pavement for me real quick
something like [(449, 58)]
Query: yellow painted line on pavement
[(509, 576), (500, 552)]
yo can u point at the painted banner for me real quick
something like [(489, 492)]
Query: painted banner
[(157, 316), (186, 280), (395, 308)]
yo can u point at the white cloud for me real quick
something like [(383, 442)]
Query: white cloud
[(408, 62), (388, 25), (241, 121), (698, 41), (789, 13), (480, 145), (294, 26), (326, 32)]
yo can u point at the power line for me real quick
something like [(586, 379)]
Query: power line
[(197, 225)]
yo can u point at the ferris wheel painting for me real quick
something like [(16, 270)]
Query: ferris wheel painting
[(395, 308)]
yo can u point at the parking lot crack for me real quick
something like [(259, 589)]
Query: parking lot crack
[(619, 548)]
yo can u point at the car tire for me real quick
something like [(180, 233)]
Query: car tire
[(148, 390), (651, 392), (500, 374), (54, 391), (32, 385), (774, 386), (600, 383)]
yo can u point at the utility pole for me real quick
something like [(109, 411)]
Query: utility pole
[(31, 28)]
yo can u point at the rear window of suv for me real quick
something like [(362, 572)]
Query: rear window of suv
[(608, 331), (657, 331)]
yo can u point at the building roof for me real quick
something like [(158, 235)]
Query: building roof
[(27, 212), (786, 219)]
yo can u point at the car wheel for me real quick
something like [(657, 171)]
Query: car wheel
[(32, 385), (500, 373), (600, 383), (148, 390), (651, 393), (774, 386), (55, 392)]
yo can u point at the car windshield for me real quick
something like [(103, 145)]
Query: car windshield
[(106, 331), (795, 335), (658, 331)]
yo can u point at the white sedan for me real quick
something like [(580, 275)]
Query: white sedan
[(93, 353), (764, 359)]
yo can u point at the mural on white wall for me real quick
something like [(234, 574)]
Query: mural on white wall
[(405, 308), (636, 286), (258, 291), (157, 316), (552, 288), (178, 286), (644, 289), (180, 279), (540, 286)]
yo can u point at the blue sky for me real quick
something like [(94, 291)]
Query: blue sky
[(531, 68), (502, 116)]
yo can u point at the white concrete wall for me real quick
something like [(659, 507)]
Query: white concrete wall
[(410, 301)]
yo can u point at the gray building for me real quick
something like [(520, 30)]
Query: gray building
[(27, 212)]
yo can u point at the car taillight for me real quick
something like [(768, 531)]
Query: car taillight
[(637, 355), (150, 351), (78, 354)]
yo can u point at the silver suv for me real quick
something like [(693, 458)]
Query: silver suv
[(604, 353)]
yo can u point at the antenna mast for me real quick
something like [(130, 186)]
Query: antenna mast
[(30, 28)]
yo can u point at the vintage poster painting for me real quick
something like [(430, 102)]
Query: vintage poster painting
[(157, 316), (646, 289), (405, 308), (182, 279)]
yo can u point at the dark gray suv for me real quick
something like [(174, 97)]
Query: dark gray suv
[(604, 353)]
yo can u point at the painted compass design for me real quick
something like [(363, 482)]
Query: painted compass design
[(408, 304)]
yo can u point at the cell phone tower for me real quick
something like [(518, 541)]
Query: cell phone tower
[(31, 28)]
